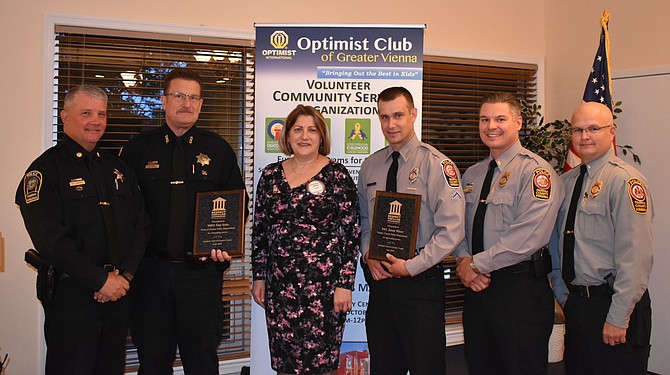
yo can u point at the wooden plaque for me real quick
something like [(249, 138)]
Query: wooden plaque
[(219, 223), (395, 225)]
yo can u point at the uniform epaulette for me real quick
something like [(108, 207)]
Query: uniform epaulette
[(628, 169), (209, 133), (432, 150), (147, 132), (383, 149)]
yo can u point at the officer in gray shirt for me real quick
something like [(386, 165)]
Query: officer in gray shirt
[(405, 314), (512, 198), (605, 254)]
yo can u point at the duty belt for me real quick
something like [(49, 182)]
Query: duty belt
[(588, 291)]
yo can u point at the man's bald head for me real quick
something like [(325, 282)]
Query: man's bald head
[(593, 131)]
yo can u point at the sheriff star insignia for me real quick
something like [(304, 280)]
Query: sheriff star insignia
[(203, 159)]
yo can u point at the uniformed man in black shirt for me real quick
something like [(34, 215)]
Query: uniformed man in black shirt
[(85, 215), (178, 301)]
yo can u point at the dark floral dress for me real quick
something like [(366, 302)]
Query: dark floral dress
[(305, 244)]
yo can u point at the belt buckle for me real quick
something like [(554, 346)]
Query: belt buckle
[(109, 267)]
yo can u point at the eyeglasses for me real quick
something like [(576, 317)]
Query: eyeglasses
[(180, 97), (589, 130)]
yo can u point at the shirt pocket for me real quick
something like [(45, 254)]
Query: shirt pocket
[(593, 219), (200, 182), (471, 201), (81, 205), (153, 175), (370, 194), (500, 205)]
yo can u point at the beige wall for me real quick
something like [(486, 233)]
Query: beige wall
[(638, 35), (564, 35)]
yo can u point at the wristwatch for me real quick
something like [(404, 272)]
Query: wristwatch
[(474, 267), (127, 275)]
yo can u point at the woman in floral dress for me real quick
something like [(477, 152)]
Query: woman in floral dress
[(305, 245)]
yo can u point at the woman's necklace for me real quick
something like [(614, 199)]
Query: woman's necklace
[(309, 167)]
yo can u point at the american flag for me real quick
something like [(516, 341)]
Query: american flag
[(599, 85)]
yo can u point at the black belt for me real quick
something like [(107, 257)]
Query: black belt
[(162, 255), (515, 269), (431, 273), (588, 291)]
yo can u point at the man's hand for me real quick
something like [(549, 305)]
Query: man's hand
[(115, 287), (480, 283), (396, 267), (613, 335), (258, 292), (470, 278), (342, 300), (217, 255), (376, 270)]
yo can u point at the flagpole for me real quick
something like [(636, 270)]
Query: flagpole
[(604, 24)]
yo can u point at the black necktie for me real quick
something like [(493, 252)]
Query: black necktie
[(175, 241), (392, 176), (96, 168), (480, 214), (568, 265)]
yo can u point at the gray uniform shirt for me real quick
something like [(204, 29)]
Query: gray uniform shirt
[(612, 233), (525, 196), (425, 171)]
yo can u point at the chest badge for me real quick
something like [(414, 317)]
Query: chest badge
[(596, 188), (119, 178), (203, 159), (119, 175), (503, 180), (413, 175)]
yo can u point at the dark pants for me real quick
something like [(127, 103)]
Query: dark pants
[(585, 352), (507, 326), (405, 326), (177, 304), (84, 336)]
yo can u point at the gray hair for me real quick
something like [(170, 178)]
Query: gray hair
[(90, 90)]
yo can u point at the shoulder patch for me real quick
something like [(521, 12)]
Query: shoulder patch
[(449, 172), (541, 184), (32, 183), (638, 196)]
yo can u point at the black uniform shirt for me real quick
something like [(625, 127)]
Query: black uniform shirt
[(211, 165), (59, 201)]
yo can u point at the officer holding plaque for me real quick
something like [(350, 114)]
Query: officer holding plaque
[(178, 299), (405, 314)]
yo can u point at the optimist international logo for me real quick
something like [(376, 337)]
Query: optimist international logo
[(279, 39)]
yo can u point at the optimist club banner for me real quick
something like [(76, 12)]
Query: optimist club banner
[(339, 70)]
